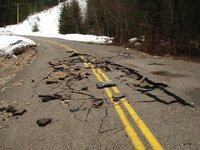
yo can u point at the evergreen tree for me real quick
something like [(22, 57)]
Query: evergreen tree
[(75, 12), (24, 10), (7, 12), (70, 18), (94, 17), (66, 24)]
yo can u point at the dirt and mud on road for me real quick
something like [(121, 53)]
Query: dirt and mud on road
[(86, 96), (9, 66)]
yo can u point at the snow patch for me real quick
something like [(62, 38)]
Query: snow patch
[(133, 40), (87, 38), (10, 43)]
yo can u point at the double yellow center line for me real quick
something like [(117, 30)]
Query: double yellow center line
[(136, 141)]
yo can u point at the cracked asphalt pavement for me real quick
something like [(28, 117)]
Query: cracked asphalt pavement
[(154, 105)]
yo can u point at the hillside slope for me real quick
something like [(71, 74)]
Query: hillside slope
[(46, 22)]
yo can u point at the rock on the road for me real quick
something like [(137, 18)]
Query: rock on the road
[(43, 121)]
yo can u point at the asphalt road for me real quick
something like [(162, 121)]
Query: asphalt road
[(166, 118)]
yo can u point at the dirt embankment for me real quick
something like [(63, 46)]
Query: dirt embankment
[(9, 66)]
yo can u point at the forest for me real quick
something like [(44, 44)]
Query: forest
[(8, 9), (161, 26)]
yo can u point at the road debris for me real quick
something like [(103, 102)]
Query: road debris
[(87, 74), (51, 82), (65, 102), (108, 83), (144, 84), (74, 54), (145, 87), (128, 71), (8, 108), (97, 103), (61, 67), (68, 69), (118, 96), (43, 121), (7, 111), (19, 112), (104, 67), (141, 81), (47, 98), (84, 88)]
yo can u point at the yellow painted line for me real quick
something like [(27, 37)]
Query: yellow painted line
[(145, 130), (60, 45), (129, 129), (103, 74), (140, 123)]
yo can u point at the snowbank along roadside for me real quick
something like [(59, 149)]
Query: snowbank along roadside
[(9, 44)]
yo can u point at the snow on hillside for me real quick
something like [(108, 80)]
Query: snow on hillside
[(87, 38), (8, 44), (47, 24)]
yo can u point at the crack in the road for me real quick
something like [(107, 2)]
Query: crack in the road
[(87, 115), (102, 123), (156, 98), (76, 73), (78, 108), (107, 130), (149, 84), (69, 71), (146, 91), (82, 93), (129, 71)]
